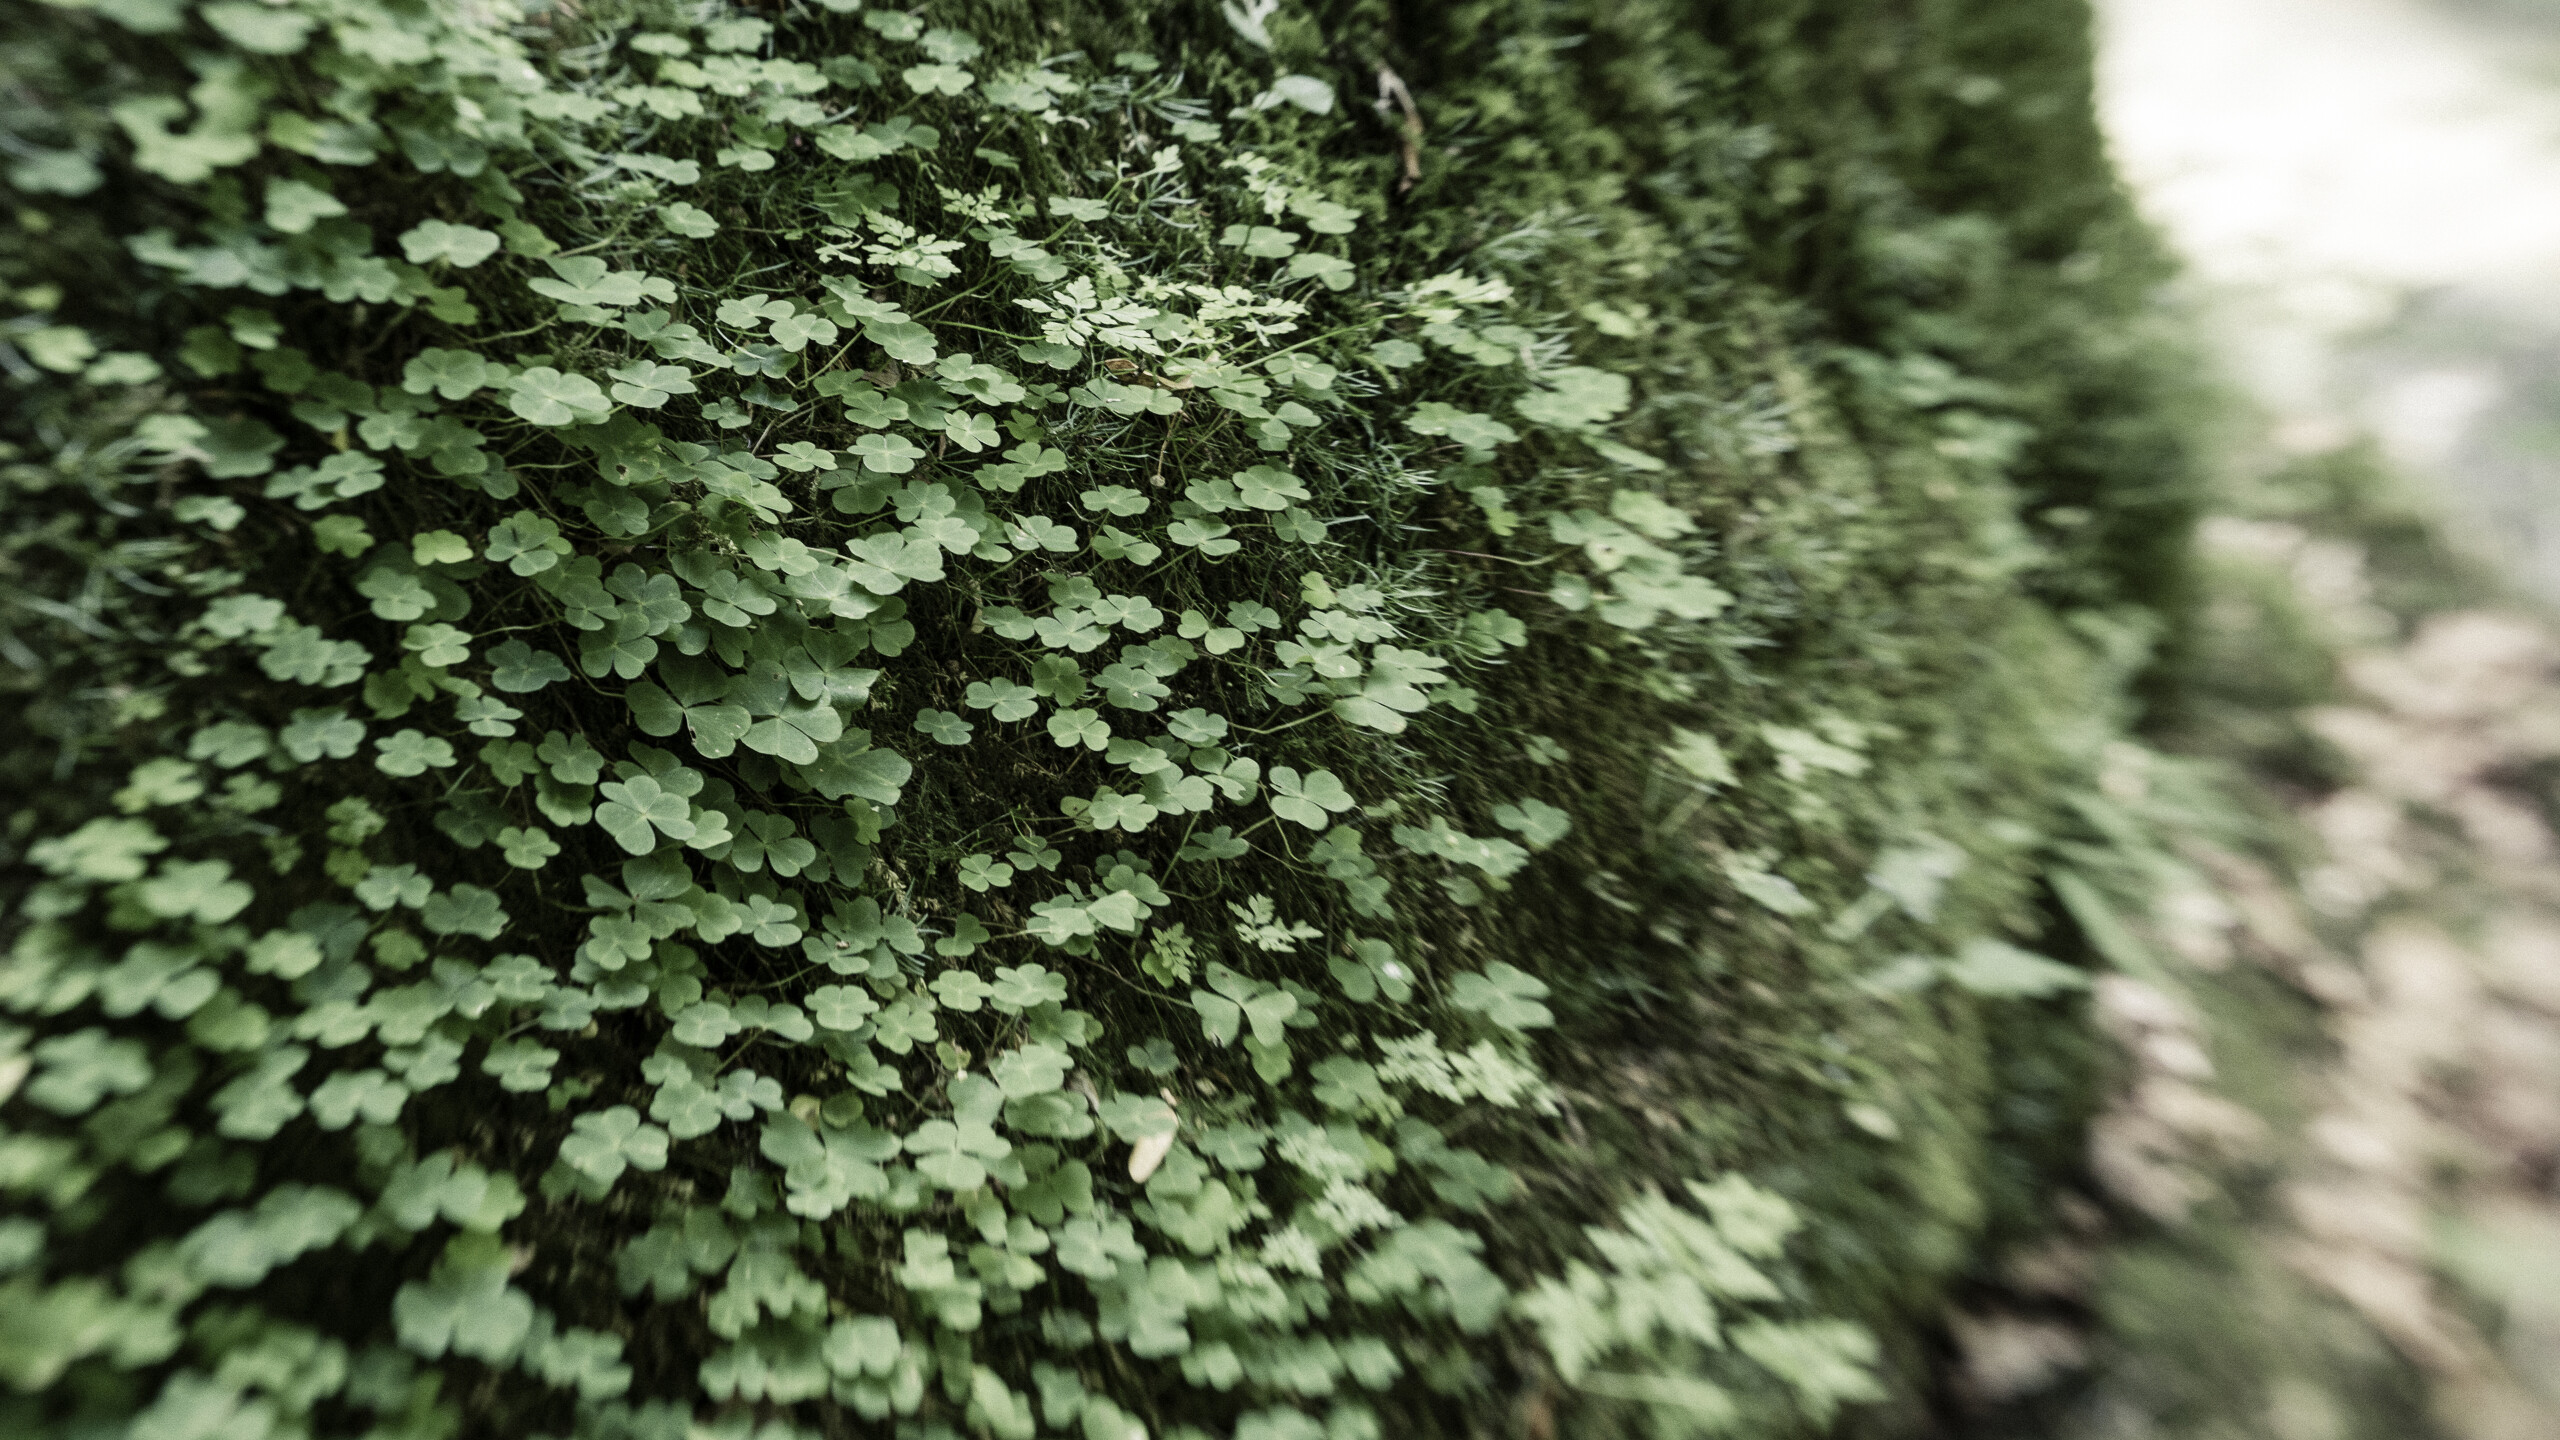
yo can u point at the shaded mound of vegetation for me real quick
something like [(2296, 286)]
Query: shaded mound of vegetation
[(765, 718)]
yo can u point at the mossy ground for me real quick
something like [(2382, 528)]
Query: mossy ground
[(1885, 306)]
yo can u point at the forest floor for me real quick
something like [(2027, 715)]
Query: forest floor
[(2330, 1166)]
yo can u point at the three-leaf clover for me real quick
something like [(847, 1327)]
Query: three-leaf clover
[(432, 242), (294, 207), (547, 396), (1309, 800), (412, 752), (982, 872), (769, 922), (464, 910), (438, 645), (1537, 823), (937, 79), (528, 848), (1114, 500), (1111, 810), (1267, 487), (102, 849), (84, 1067), (690, 221), (1580, 396), (887, 454), (943, 726), (1470, 429), (572, 760), (1234, 1000), (796, 733), (1505, 995), (521, 1066), (1003, 699), (795, 333), (526, 543), (467, 1308), (1070, 728), (636, 811), (1026, 987), (453, 374), (1035, 1069), (1263, 242), (601, 1145), (650, 384), (841, 1007), (961, 990), (706, 1023)]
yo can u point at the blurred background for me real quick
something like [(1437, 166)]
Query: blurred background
[(2368, 193)]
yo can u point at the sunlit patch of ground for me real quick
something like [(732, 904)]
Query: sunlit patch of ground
[(2368, 192)]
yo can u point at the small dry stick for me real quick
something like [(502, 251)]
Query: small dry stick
[(1391, 91)]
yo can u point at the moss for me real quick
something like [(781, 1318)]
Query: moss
[(1885, 310)]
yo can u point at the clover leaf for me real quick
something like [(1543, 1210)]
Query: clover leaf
[(102, 849), (960, 990), (520, 1066), (769, 922), (546, 396), (1309, 800), (944, 727), (650, 384), (954, 1154), (841, 1007), (1034, 1069), (984, 872), (1266, 487), (1070, 728), (1505, 995), (437, 242), (1111, 810), (2002, 971), (1331, 271), (937, 79), (464, 910), (1580, 395), (1027, 987), (602, 1144), (315, 733), (412, 752), (887, 454), (452, 374), (1263, 242), (692, 222), (465, 1305), (1003, 699), (438, 645), (636, 811), (528, 848), (571, 759), (796, 733), (1537, 823), (84, 1067), (1475, 431), (795, 333)]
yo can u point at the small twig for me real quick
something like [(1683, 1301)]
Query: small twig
[(1391, 91)]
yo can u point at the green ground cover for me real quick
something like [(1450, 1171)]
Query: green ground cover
[(1018, 720)]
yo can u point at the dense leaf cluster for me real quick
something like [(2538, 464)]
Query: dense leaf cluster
[(838, 714)]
